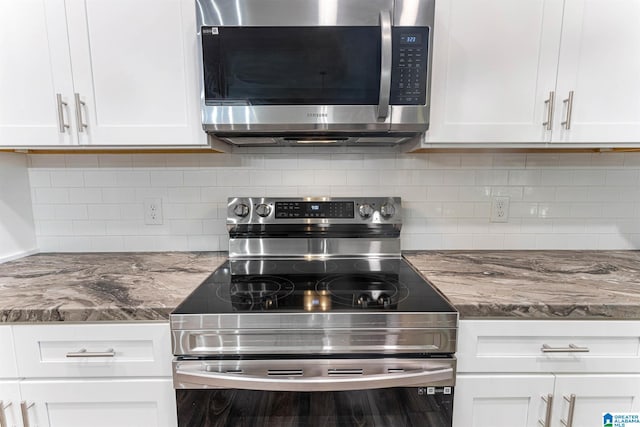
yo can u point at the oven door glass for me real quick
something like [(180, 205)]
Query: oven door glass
[(389, 407), (291, 65)]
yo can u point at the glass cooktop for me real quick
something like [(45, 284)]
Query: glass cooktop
[(385, 285)]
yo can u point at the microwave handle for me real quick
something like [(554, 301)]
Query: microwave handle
[(385, 64)]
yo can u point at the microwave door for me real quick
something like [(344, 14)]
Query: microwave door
[(259, 79)]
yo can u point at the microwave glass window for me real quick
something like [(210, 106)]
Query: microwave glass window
[(292, 65)]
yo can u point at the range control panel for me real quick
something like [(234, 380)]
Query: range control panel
[(307, 210), (314, 210), (409, 66)]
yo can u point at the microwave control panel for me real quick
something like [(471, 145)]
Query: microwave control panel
[(409, 66)]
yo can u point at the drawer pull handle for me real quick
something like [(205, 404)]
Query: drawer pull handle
[(548, 399), (84, 353), (572, 407), (571, 349), (3, 417), (24, 408)]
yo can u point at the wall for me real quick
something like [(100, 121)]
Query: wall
[(558, 201), (17, 235)]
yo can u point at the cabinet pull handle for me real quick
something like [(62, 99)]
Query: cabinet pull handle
[(571, 349), (551, 101), (84, 353), (548, 399), (24, 408), (3, 416), (79, 106), (572, 406), (569, 102), (62, 126)]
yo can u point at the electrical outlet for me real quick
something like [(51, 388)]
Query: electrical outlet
[(500, 209), (153, 211)]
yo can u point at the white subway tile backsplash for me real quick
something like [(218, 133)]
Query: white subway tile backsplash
[(299, 177), (200, 178), (53, 228), (89, 228), (193, 227), (442, 194), (183, 195), (107, 244), (85, 195), (133, 178), (93, 202), (65, 178), (170, 178), (119, 195), (102, 211), (81, 160), (621, 177), (100, 178), (347, 161), (525, 177), (268, 177), (71, 212), (323, 177), (51, 195), (39, 178)]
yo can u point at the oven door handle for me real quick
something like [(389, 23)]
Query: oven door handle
[(386, 50), (413, 378)]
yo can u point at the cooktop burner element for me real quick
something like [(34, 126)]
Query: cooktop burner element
[(364, 291)]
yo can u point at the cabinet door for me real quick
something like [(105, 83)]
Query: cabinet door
[(501, 400), (100, 403), (494, 65), (600, 63), (34, 68), (594, 396), (10, 403), (8, 367), (135, 71)]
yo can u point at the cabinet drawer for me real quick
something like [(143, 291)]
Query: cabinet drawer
[(93, 350), (548, 346), (7, 354)]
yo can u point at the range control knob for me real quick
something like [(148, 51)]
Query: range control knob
[(241, 210), (387, 210), (263, 210), (365, 210)]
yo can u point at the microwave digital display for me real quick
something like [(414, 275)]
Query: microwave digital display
[(410, 39)]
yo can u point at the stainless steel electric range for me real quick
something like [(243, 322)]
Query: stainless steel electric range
[(315, 320)]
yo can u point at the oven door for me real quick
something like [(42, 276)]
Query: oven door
[(308, 392)]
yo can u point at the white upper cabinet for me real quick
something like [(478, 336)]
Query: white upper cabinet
[(34, 69), (600, 64), (503, 72), (126, 72), (494, 64)]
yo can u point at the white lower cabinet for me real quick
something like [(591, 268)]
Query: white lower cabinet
[(88, 375), (500, 400), (10, 404), (507, 375), (99, 403), (593, 395), (485, 400)]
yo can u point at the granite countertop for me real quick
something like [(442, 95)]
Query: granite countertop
[(101, 286), (480, 284), (536, 284)]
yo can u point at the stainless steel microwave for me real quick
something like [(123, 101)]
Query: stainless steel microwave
[(315, 71)]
